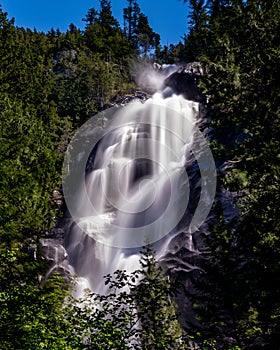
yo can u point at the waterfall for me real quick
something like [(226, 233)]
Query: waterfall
[(126, 184)]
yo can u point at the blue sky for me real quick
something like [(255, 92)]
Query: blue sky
[(166, 17)]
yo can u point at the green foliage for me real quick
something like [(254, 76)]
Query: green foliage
[(136, 313), (31, 317), (156, 310), (139, 32), (131, 16), (104, 35), (197, 38), (28, 171), (241, 54), (49, 85), (29, 162)]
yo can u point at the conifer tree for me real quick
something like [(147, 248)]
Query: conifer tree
[(131, 17), (139, 31), (104, 36), (138, 311), (241, 56)]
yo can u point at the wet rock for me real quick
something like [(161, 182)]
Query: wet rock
[(56, 255), (185, 83), (137, 96), (54, 251)]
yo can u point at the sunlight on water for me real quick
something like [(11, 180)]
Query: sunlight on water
[(137, 188)]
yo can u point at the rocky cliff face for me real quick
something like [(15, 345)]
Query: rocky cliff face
[(183, 256), (187, 252), (185, 83)]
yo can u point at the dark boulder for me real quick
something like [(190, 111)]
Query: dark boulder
[(185, 83)]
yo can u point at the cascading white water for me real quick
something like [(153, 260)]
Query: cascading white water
[(135, 190)]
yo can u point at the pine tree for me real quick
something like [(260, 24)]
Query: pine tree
[(139, 31), (131, 17), (241, 55), (156, 308), (196, 40), (104, 36)]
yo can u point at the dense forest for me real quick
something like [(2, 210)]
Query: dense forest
[(51, 83)]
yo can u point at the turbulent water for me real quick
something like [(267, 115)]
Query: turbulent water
[(126, 184)]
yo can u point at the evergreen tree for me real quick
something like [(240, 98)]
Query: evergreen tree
[(196, 40), (29, 309), (156, 308), (146, 37), (136, 313), (131, 17), (103, 34), (241, 55), (139, 31), (106, 17), (30, 315)]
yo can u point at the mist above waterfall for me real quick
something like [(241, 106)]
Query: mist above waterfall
[(152, 77)]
